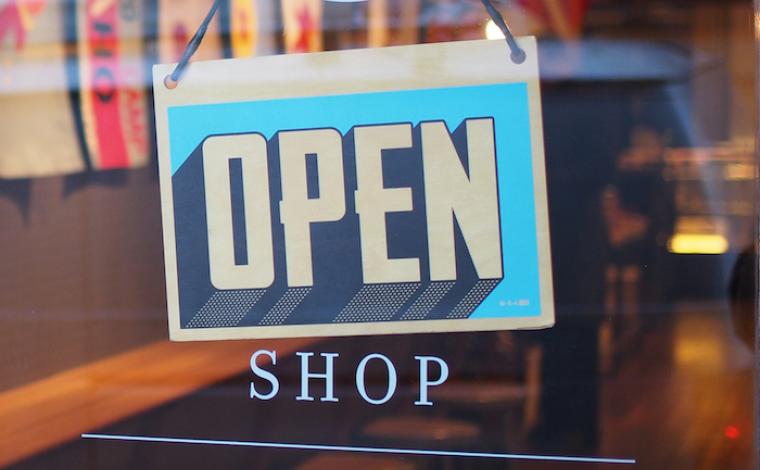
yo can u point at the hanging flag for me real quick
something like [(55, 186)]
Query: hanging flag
[(375, 23), (17, 18), (344, 25), (564, 18), (406, 22), (453, 21), (113, 104), (252, 28), (37, 130), (177, 22), (302, 21), (392, 22), (243, 27)]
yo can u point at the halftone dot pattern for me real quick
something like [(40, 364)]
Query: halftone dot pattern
[(285, 306), (429, 298), (376, 302), (225, 308), (477, 294)]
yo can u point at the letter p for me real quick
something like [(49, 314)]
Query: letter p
[(425, 380)]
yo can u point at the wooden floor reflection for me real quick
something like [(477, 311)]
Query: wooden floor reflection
[(681, 398), (684, 399)]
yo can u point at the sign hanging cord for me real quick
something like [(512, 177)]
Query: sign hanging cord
[(517, 54), (172, 79)]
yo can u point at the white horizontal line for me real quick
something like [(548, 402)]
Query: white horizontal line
[(377, 450)]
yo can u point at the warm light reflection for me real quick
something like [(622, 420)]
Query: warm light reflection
[(493, 31), (739, 171), (698, 345), (698, 244)]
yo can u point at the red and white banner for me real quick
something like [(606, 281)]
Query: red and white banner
[(112, 83)]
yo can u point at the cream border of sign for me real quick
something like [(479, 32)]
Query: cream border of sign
[(347, 72)]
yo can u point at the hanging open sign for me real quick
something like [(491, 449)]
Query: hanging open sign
[(392, 190)]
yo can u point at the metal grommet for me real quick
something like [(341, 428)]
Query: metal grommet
[(518, 56), (170, 83)]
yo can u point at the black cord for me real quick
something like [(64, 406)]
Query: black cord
[(517, 54), (192, 46)]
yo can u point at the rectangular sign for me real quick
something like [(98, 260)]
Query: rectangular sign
[(392, 190)]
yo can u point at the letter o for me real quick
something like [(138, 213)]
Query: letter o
[(391, 379), (103, 84)]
